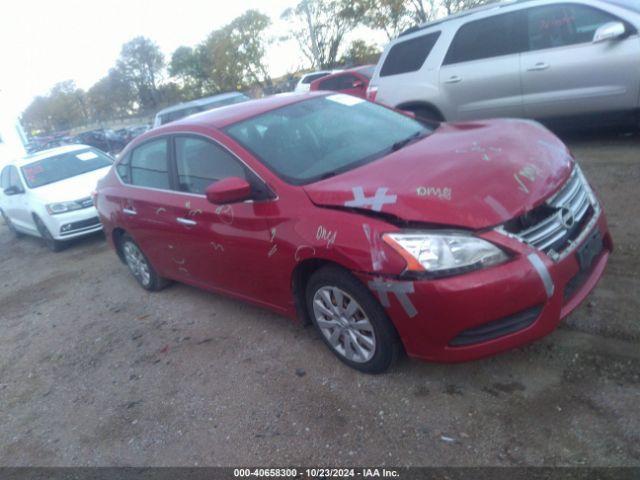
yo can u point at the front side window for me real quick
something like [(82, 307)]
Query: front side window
[(63, 166), (561, 25), (200, 162), (321, 137), (4, 178), (150, 166), (409, 55), (490, 37)]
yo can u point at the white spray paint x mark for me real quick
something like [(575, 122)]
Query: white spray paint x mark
[(375, 203)]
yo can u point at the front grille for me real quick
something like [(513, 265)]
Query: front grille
[(497, 328), (556, 226)]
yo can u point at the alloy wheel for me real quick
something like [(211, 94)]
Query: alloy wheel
[(137, 263), (344, 324)]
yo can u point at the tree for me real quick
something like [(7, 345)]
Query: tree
[(63, 108), (111, 97), (231, 58), (141, 62), (319, 27), (360, 53), (455, 6)]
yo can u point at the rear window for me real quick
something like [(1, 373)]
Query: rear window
[(63, 166), (409, 55), (490, 37)]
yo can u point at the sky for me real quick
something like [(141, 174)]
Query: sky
[(45, 42)]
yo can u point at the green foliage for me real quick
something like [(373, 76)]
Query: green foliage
[(111, 97), (360, 53), (63, 108), (319, 27)]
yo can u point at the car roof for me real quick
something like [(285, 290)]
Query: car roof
[(472, 12), (199, 101), (229, 114), (51, 152)]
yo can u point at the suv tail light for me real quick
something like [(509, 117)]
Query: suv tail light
[(372, 92)]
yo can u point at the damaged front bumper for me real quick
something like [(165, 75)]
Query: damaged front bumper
[(488, 311)]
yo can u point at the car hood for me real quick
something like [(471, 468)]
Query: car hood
[(470, 175), (70, 189)]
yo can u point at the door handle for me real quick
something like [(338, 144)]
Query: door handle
[(186, 221), (538, 67), (453, 79), (129, 211)]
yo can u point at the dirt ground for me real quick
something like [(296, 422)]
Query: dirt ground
[(95, 371)]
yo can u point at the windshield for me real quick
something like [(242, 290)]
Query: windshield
[(628, 4), (313, 139), (63, 166)]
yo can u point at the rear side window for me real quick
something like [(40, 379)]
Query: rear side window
[(408, 56), (150, 166), (561, 25), (339, 82), (200, 163), (490, 37)]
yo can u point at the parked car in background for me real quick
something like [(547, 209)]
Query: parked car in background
[(48, 194), (454, 241), (129, 133), (353, 81), (176, 112), (304, 84), (544, 59), (106, 140)]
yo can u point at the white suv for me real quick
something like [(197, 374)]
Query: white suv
[(545, 59)]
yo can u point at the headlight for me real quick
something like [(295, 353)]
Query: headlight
[(444, 253), (62, 207)]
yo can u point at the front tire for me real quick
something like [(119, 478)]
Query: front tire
[(351, 322), (50, 242), (139, 265)]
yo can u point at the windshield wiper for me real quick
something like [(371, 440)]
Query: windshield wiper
[(403, 143)]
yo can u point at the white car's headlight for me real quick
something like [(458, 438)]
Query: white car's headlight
[(62, 207), (444, 253)]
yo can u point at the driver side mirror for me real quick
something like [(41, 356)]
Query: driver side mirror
[(228, 190), (13, 190), (609, 31)]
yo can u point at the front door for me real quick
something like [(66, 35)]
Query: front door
[(565, 73), (224, 246), (480, 75)]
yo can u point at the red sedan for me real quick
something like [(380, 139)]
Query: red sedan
[(451, 242), (353, 81)]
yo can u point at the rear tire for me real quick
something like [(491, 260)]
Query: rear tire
[(139, 265), (10, 225), (351, 322), (50, 242)]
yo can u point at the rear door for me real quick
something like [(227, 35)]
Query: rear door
[(147, 203), (480, 75), (565, 73)]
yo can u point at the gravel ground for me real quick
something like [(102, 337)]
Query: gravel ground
[(95, 371)]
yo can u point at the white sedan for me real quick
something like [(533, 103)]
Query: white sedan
[(48, 194)]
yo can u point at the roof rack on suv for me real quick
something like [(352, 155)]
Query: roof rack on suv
[(463, 13)]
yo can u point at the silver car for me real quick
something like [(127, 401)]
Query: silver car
[(543, 59)]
